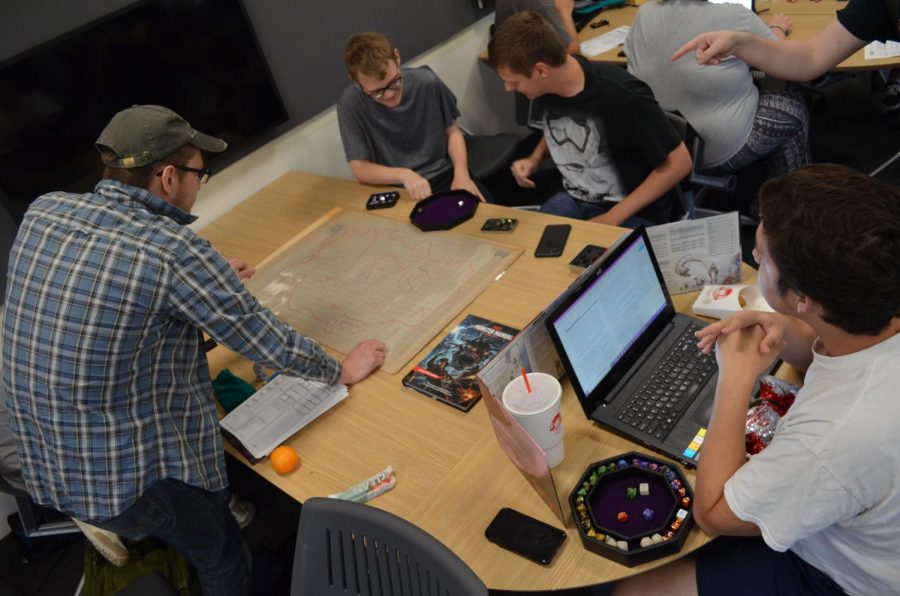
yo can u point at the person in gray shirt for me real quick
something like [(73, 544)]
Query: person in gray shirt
[(738, 124), (557, 12), (398, 126)]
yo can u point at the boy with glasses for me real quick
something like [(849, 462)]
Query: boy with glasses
[(398, 125), (109, 393)]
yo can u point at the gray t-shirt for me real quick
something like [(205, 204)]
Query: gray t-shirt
[(718, 100), (504, 9), (412, 135)]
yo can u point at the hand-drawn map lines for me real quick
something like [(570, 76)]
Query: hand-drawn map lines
[(360, 276)]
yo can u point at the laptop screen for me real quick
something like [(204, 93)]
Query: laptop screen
[(610, 314)]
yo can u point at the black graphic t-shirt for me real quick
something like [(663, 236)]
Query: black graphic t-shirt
[(607, 139), (871, 20)]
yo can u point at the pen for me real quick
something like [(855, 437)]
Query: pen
[(762, 11)]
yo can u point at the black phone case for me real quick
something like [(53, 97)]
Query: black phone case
[(525, 536), (382, 200), (553, 240)]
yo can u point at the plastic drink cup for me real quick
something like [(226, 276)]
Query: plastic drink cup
[(538, 411)]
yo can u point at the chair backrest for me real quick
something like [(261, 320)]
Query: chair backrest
[(527, 113), (36, 520), (692, 187), (354, 549)]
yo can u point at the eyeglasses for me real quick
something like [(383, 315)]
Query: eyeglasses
[(393, 85), (202, 173)]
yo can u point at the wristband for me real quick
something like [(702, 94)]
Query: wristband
[(780, 28)]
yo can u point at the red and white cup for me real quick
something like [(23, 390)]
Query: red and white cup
[(538, 411)]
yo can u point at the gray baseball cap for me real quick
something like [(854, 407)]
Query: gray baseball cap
[(141, 135)]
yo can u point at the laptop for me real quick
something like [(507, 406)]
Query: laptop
[(633, 360)]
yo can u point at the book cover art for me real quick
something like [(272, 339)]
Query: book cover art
[(447, 373)]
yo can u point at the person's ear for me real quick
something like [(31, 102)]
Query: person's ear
[(397, 56), (168, 180), (541, 69), (804, 304)]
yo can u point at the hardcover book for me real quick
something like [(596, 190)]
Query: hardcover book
[(447, 373)]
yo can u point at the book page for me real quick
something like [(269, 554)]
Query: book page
[(606, 42), (278, 410), (698, 252)]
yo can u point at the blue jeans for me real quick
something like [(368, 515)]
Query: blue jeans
[(745, 565), (565, 205), (196, 523)]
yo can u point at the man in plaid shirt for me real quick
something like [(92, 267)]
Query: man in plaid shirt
[(108, 295)]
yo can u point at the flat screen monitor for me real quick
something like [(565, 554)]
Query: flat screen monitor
[(200, 57)]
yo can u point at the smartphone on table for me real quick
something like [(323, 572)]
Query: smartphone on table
[(525, 536), (553, 240)]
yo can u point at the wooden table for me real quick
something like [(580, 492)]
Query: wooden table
[(808, 18), (452, 475)]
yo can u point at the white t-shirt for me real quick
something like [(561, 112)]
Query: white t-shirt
[(828, 485)]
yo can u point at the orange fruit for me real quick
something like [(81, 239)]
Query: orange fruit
[(284, 459)]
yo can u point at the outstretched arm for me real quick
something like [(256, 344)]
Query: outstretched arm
[(456, 150), (740, 362), (372, 173), (565, 8), (790, 60), (661, 180)]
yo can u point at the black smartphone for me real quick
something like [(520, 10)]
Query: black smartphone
[(553, 240), (500, 224), (524, 535), (381, 200)]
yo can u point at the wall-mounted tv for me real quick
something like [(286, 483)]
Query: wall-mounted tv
[(199, 57)]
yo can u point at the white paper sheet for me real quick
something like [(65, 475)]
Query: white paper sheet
[(278, 410), (605, 42)]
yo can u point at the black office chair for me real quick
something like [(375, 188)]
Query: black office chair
[(37, 521), (488, 154), (357, 550), (694, 187)]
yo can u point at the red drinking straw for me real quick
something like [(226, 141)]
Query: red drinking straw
[(525, 376)]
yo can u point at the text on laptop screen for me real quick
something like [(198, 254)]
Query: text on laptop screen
[(598, 328)]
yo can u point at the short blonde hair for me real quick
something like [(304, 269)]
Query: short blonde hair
[(368, 53)]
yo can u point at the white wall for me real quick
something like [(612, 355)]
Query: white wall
[(315, 145)]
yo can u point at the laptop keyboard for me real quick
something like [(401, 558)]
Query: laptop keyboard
[(658, 404)]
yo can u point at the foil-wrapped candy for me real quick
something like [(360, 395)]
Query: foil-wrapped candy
[(775, 398)]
